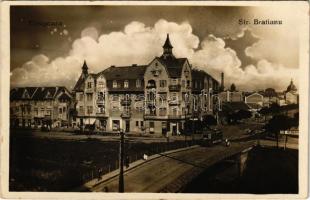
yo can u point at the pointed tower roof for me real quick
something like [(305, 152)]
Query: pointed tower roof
[(291, 87), (168, 43), (85, 68)]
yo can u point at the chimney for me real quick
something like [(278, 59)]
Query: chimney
[(222, 82)]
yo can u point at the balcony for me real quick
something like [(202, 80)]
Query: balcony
[(175, 88), (125, 102)]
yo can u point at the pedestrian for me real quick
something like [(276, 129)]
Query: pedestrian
[(227, 143), (127, 161), (99, 173), (145, 157)]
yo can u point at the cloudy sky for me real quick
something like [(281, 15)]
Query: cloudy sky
[(253, 57)]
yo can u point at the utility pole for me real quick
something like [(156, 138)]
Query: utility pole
[(121, 163)]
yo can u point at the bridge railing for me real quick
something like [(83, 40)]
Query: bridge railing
[(132, 156)]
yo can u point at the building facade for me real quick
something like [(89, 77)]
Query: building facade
[(36, 106), (155, 98)]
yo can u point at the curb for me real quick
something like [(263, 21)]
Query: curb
[(134, 165)]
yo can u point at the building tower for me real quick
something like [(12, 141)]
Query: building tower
[(167, 49), (84, 69)]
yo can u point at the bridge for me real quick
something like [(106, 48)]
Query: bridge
[(170, 171)]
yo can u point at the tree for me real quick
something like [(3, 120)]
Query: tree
[(239, 115), (264, 111), (233, 88), (244, 114), (209, 120), (279, 123)]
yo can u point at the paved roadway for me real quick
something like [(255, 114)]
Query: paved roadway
[(161, 173)]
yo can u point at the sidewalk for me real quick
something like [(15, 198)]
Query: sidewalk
[(115, 173)]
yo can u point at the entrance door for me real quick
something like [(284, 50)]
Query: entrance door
[(174, 129), (127, 127), (164, 128)]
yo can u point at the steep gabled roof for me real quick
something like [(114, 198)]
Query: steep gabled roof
[(120, 74), (79, 86), (124, 72), (198, 74), (37, 93), (168, 43), (173, 65)]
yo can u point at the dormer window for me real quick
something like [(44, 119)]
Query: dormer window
[(114, 84), (89, 85), (126, 84), (138, 83)]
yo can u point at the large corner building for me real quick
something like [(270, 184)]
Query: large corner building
[(155, 98)]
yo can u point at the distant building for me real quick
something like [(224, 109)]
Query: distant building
[(291, 95), (146, 99), (229, 96), (255, 100), (34, 106)]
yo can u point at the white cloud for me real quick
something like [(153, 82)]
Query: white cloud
[(139, 44)]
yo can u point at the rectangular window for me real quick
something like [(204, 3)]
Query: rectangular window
[(89, 109), (81, 97), (60, 110), (137, 123), (49, 112), (138, 83), (89, 96), (89, 85), (126, 84), (162, 83), (152, 124), (188, 84), (64, 109), (115, 125), (81, 109), (141, 123), (114, 84), (36, 112)]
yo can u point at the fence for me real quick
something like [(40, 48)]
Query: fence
[(134, 155)]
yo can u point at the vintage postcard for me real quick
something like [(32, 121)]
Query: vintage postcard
[(154, 100)]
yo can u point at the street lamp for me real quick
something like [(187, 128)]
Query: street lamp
[(121, 163)]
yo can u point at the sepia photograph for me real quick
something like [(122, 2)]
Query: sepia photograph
[(185, 98)]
